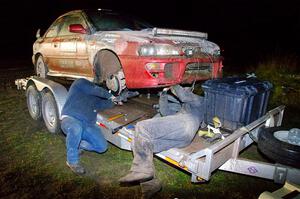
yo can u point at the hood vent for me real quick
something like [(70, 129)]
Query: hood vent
[(171, 32)]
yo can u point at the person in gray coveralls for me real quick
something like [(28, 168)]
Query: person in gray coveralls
[(176, 128)]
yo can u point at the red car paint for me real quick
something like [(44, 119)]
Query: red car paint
[(138, 77)]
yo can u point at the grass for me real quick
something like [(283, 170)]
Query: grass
[(32, 164), (283, 71)]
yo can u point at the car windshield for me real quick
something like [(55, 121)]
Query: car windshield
[(108, 21)]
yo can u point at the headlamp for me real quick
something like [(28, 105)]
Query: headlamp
[(159, 50)]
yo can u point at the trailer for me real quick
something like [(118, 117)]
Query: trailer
[(45, 99)]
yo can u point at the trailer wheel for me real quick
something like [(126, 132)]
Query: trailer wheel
[(273, 143), (50, 113), (33, 98)]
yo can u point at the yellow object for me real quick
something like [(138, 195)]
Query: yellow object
[(206, 133), (175, 163), (217, 122), (116, 117), (211, 131)]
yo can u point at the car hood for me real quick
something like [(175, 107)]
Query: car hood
[(184, 39)]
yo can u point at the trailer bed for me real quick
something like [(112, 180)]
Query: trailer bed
[(200, 158)]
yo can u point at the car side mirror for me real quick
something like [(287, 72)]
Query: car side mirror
[(77, 28), (38, 33)]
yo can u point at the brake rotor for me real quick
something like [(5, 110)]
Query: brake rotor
[(116, 82)]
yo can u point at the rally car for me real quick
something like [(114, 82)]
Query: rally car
[(122, 51)]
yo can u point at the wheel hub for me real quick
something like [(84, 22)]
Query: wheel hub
[(33, 103), (292, 136), (116, 82), (50, 113)]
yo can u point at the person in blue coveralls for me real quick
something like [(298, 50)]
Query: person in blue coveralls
[(79, 114)]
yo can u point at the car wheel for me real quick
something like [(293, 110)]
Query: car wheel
[(109, 71), (33, 98), (41, 68), (274, 143), (50, 113)]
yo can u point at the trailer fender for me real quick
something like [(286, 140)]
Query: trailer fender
[(59, 91)]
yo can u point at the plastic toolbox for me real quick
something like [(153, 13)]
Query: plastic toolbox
[(237, 101)]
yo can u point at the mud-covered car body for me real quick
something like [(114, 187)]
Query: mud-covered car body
[(95, 44)]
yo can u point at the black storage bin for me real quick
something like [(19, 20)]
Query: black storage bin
[(236, 101)]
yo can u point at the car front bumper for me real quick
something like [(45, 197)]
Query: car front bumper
[(149, 72)]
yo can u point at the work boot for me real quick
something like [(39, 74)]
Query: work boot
[(150, 188), (76, 168), (135, 177)]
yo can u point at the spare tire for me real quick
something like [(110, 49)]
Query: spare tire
[(272, 142)]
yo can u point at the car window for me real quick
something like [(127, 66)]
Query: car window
[(68, 20), (54, 28), (114, 21)]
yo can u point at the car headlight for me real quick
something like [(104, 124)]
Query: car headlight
[(159, 50)]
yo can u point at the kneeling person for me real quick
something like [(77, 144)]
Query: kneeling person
[(79, 120)]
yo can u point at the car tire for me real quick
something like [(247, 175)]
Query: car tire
[(50, 113), (276, 149), (41, 68), (34, 102)]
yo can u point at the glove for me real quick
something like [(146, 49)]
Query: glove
[(123, 97)]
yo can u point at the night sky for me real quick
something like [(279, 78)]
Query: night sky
[(247, 30)]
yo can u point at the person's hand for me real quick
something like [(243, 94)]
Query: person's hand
[(116, 100)]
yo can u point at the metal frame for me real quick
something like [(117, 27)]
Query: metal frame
[(221, 155)]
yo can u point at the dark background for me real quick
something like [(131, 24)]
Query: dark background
[(246, 30)]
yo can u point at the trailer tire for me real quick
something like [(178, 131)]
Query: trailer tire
[(50, 113), (34, 102), (276, 149)]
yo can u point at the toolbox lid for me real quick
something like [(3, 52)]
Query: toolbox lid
[(240, 86)]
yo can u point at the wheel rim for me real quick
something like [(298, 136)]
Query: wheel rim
[(285, 136), (40, 69), (33, 103), (50, 113)]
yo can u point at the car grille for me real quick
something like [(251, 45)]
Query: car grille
[(198, 67), (198, 71)]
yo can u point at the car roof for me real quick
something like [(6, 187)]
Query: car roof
[(88, 10)]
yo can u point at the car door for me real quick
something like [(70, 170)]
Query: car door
[(49, 46), (73, 56)]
